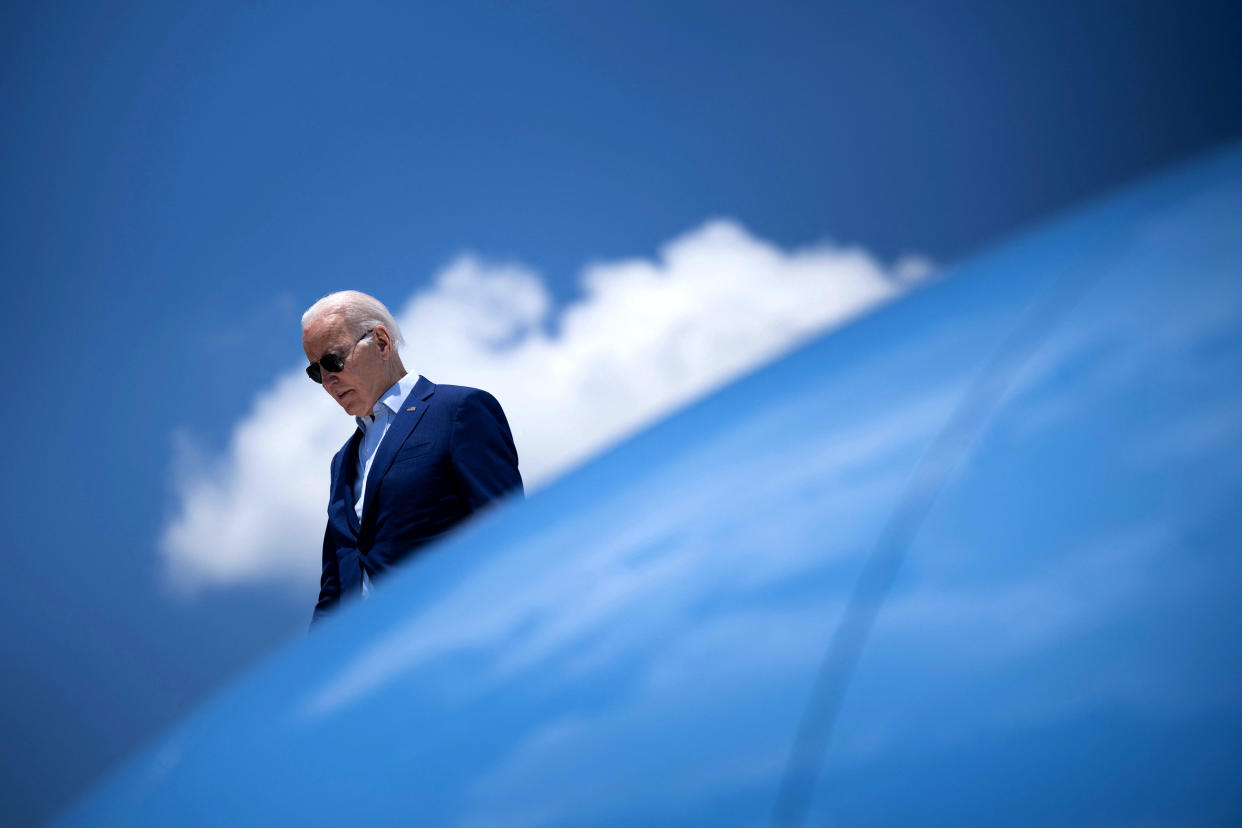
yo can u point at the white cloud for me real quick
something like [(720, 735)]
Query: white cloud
[(646, 338)]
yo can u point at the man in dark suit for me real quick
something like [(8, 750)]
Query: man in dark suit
[(423, 458)]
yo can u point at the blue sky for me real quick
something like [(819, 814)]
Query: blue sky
[(180, 181)]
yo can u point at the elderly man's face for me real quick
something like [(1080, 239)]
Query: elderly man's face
[(365, 377)]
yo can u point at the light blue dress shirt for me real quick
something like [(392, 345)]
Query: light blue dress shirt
[(374, 428)]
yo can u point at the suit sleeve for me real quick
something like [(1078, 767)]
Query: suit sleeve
[(330, 574), (329, 582), (485, 461)]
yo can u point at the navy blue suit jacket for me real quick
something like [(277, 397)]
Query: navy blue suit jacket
[(447, 453)]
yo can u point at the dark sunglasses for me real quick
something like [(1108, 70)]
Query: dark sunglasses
[(332, 363)]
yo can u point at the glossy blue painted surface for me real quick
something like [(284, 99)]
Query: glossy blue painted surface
[(1046, 449)]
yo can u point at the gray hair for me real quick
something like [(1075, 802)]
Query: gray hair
[(359, 311)]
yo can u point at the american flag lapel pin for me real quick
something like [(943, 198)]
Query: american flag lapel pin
[(412, 408)]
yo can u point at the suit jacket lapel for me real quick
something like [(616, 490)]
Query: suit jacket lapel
[(408, 415), (346, 479)]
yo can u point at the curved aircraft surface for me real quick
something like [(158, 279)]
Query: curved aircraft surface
[(974, 559)]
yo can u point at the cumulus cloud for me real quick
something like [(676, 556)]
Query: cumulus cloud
[(647, 337)]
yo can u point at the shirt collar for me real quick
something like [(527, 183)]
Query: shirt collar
[(388, 402)]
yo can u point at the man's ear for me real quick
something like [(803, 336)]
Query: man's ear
[(383, 340)]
